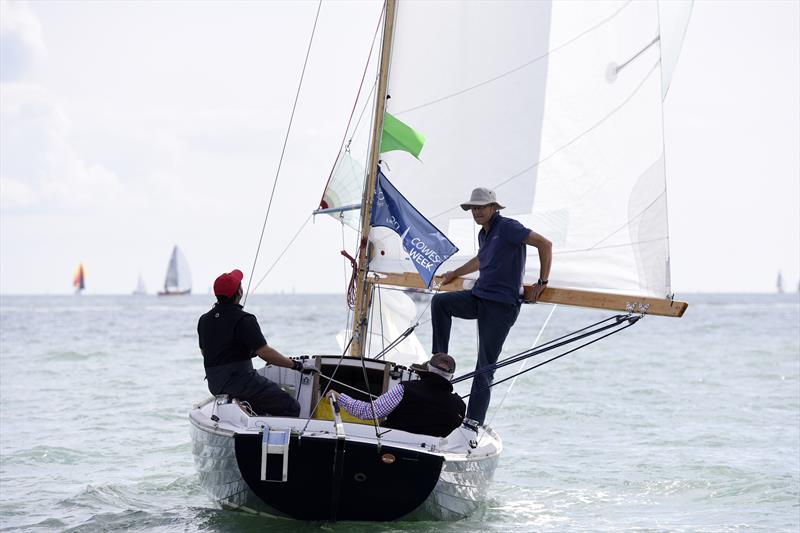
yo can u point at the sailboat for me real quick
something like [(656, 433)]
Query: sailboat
[(79, 279), (556, 106), (179, 278), (140, 286), (779, 283)]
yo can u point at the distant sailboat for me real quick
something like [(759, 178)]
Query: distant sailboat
[(779, 283), (179, 277), (79, 279), (140, 286)]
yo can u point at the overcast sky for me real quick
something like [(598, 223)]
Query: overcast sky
[(129, 127)]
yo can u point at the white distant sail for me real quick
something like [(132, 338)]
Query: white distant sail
[(141, 288), (179, 278)]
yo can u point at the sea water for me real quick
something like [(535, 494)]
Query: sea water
[(688, 424)]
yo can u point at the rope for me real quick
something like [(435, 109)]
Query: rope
[(283, 151), (351, 286)]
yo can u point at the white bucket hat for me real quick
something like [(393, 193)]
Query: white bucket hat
[(481, 196)]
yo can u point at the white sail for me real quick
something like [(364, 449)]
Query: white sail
[(343, 194), (179, 277), (141, 288), (556, 106), (673, 16), (394, 312)]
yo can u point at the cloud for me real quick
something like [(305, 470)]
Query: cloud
[(21, 40), (40, 168)]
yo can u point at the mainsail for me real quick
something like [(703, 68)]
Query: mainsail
[(179, 278), (79, 279), (556, 106), (141, 288)]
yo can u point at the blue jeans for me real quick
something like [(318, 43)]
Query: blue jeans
[(494, 322)]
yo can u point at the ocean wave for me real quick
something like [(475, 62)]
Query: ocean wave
[(47, 455)]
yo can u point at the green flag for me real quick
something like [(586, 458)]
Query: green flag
[(398, 136)]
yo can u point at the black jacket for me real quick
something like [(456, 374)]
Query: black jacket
[(228, 334), (429, 407)]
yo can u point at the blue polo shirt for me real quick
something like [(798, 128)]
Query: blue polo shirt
[(501, 253)]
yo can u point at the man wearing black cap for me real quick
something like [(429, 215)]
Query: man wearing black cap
[(427, 406), (495, 298), (229, 338)]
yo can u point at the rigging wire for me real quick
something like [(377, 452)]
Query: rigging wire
[(627, 320), (400, 338), (522, 365), (364, 109), (380, 316), (282, 253), (355, 103), (328, 386), (331, 380), (549, 345), (283, 151), (371, 401)]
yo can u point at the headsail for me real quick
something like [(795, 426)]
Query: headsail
[(141, 288), (342, 196), (556, 106), (179, 278)]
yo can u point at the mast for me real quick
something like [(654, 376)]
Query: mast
[(363, 292)]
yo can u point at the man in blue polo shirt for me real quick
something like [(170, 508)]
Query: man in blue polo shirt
[(496, 297)]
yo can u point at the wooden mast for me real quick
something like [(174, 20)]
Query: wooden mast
[(363, 292)]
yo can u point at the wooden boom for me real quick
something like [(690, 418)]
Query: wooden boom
[(554, 295)]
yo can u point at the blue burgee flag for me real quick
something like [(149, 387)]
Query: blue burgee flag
[(427, 246)]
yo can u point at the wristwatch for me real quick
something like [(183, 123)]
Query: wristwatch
[(541, 282)]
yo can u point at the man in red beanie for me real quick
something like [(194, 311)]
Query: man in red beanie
[(229, 339)]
